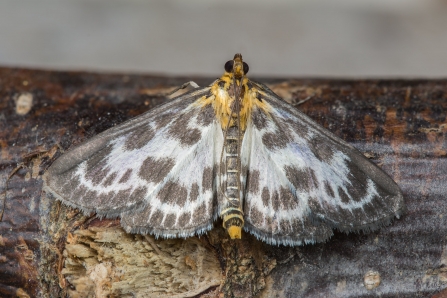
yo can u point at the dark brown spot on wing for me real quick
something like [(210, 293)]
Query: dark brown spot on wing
[(156, 219), (96, 169), (259, 118), (265, 196), (269, 223), (273, 224), (99, 157), (256, 217), (357, 185), (126, 176), (284, 129), (109, 179), (285, 226), (211, 207), (343, 196), (194, 194), (80, 193), (222, 168), (140, 218), (331, 213), (276, 202), (113, 202), (184, 219), (104, 197), (207, 179), (138, 193), (139, 138), (169, 221), (275, 140), (317, 206), (199, 215), (302, 179), (163, 120), (206, 115), (71, 183), (297, 126), (280, 137), (321, 149), (180, 130), (370, 212), (167, 113), (173, 193), (155, 170), (253, 181), (328, 189), (288, 199), (91, 195), (96, 175), (124, 195)]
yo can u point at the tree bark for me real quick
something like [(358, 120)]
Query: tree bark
[(50, 250)]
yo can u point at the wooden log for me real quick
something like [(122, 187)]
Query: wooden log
[(49, 250)]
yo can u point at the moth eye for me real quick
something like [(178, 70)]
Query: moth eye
[(246, 68), (229, 66)]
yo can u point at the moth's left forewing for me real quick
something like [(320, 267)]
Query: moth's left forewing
[(333, 183), (156, 170), (101, 174)]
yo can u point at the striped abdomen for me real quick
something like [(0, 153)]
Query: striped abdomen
[(232, 215)]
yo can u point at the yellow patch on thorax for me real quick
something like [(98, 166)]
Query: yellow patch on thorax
[(223, 97)]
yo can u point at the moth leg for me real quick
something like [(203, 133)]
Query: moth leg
[(188, 86)]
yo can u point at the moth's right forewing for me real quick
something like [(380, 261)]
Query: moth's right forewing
[(302, 175)]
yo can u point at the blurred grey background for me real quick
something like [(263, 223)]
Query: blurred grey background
[(342, 38)]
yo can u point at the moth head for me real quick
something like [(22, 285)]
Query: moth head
[(236, 66)]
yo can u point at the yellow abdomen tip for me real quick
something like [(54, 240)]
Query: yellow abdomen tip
[(235, 232)]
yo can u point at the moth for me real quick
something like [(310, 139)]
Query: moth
[(233, 150)]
